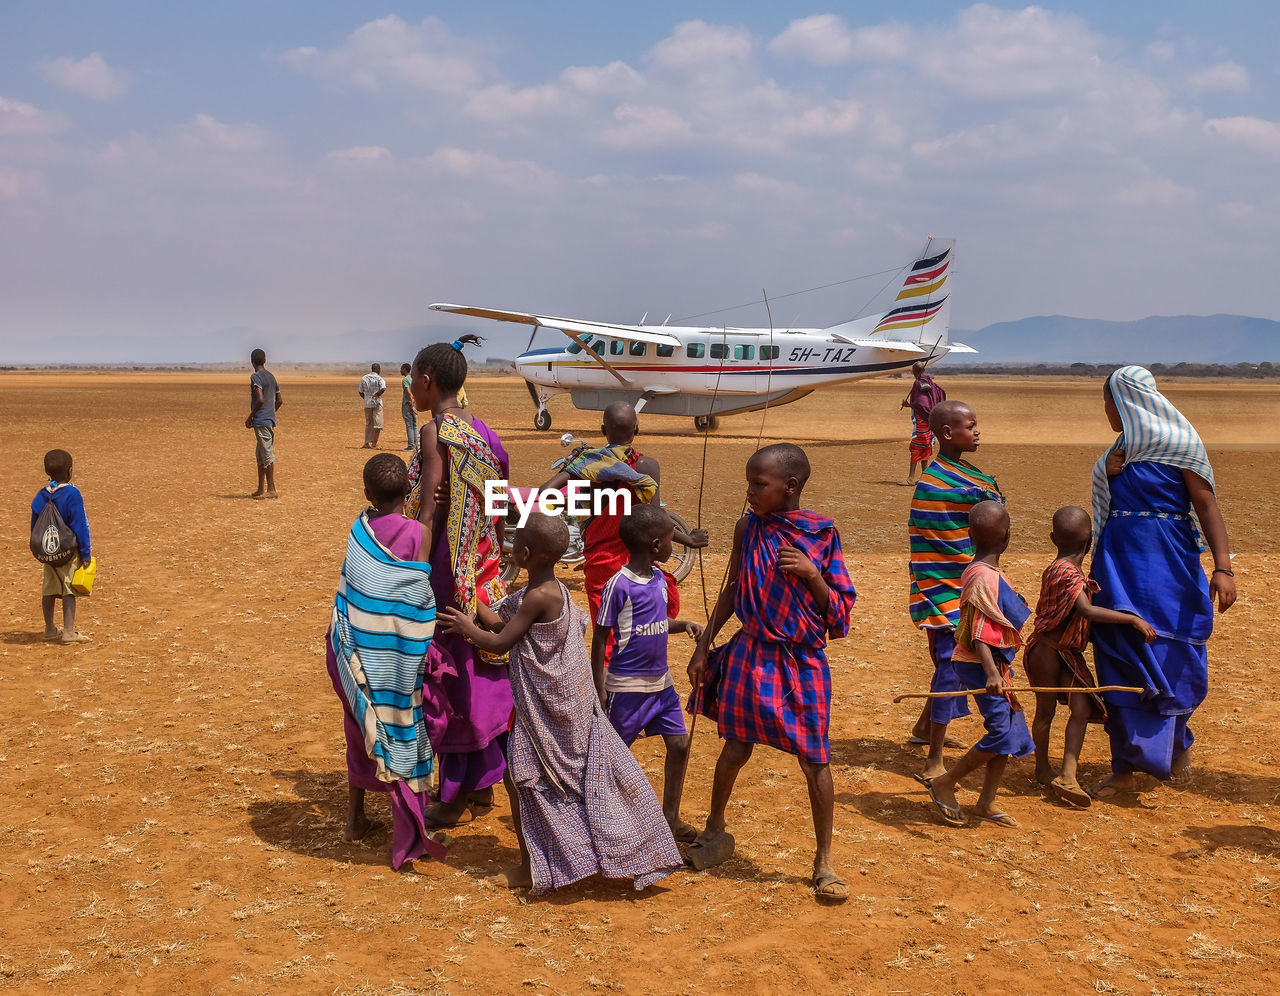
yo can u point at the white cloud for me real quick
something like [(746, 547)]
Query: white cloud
[(827, 40), (1255, 133), (1160, 50), (204, 131), (16, 184), (360, 155), (1225, 77), (470, 164), (425, 56), (90, 77), (638, 126), (695, 45), (1159, 191), (22, 120)]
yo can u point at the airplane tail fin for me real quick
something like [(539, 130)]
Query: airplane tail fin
[(921, 312)]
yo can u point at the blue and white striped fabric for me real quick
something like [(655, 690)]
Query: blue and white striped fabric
[(1154, 431), (384, 617)]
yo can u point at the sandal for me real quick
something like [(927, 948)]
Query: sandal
[(999, 819), (952, 816), (1077, 796), (708, 851), (830, 888)]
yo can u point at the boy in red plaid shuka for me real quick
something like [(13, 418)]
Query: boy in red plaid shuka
[(770, 684)]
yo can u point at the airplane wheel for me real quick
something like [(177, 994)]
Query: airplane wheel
[(706, 423), (542, 421)]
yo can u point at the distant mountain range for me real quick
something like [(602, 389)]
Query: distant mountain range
[(1058, 339), (1054, 339)]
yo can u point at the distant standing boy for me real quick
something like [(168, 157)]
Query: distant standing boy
[(407, 411), (372, 388), (580, 802), (941, 549), (770, 683), (636, 689), (1055, 651), (264, 401), (989, 634), (69, 502)]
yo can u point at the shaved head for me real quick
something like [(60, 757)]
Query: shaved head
[(620, 422), (948, 413), (917, 368), (787, 459), (546, 536), (1072, 529), (988, 524)]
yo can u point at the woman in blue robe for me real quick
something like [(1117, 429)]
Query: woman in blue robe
[(1154, 509)]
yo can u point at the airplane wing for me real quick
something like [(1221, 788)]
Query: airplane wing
[(897, 347), (566, 325)]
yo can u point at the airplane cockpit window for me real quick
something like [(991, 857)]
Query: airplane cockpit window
[(616, 346), (638, 349), (770, 352), (719, 350), (696, 350), (574, 347), (744, 352), (666, 350)]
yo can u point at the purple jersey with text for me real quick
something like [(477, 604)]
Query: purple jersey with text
[(635, 608)]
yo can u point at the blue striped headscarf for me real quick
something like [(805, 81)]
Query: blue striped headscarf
[(1154, 431)]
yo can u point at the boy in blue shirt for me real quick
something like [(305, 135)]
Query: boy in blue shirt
[(67, 500), (636, 689)]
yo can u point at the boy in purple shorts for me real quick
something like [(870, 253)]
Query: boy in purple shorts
[(636, 689)]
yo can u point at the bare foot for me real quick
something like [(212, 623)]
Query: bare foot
[(449, 814), (52, 635), (362, 828), (273, 494), (1180, 769), (518, 877), (1045, 775), (685, 833), (257, 494)]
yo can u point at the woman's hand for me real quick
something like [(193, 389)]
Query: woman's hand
[(1223, 588), (1115, 462)]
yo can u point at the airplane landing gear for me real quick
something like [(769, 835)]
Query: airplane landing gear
[(706, 423), (542, 420)]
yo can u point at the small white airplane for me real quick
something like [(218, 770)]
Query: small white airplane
[(706, 372)]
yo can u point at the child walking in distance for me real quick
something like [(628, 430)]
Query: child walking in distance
[(636, 689), (69, 503), (264, 401), (770, 683), (376, 651), (938, 529), (1055, 651), (987, 638), (580, 803)]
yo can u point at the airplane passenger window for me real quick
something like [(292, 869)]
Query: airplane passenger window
[(666, 350), (719, 350), (696, 350), (638, 349), (769, 352), (574, 348), (616, 346), (743, 352)]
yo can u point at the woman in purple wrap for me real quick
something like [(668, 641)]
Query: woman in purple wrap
[(457, 455)]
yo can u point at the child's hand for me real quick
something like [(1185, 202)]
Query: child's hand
[(698, 539), (793, 561), (1144, 627), (452, 619), (694, 630)]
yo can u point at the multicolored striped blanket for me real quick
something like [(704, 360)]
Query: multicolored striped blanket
[(939, 534), (384, 616)]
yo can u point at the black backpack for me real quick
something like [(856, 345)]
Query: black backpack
[(52, 541)]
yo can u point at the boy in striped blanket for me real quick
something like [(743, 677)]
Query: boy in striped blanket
[(376, 653), (941, 549)]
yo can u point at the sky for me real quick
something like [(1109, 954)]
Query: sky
[(177, 175)]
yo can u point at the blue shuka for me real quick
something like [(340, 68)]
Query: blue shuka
[(384, 616)]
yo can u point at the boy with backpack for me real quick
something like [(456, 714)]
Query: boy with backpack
[(60, 541)]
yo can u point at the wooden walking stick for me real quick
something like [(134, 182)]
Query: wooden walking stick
[(1074, 690)]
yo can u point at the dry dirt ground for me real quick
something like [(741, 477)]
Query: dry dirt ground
[(171, 795)]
